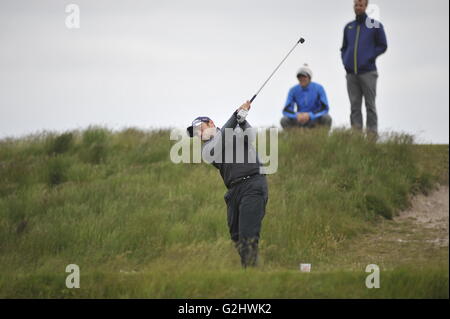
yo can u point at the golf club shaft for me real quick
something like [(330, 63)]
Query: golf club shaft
[(276, 69)]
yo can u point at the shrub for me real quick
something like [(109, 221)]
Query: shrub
[(56, 171), (61, 144), (378, 206), (95, 145)]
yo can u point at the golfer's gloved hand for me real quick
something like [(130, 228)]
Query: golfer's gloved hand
[(241, 115), (242, 112)]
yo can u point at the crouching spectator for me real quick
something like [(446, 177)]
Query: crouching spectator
[(306, 104)]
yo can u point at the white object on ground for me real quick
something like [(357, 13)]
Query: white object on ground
[(305, 267)]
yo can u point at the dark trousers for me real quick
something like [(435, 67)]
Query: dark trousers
[(325, 120), (246, 206)]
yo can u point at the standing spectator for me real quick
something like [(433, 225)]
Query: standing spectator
[(364, 41)]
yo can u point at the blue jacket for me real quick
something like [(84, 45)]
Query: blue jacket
[(311, 99), (362, 45)]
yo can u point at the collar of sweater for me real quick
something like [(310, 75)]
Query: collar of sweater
[(361, 18)]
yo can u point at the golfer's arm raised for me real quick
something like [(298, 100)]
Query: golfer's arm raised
[(244, 124), (232, 122)]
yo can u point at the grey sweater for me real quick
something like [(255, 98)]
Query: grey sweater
[(235, 168)]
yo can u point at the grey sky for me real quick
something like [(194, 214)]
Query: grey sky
[(162, 63)]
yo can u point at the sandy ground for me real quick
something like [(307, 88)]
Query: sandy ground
[(417, 236), (431, 212)]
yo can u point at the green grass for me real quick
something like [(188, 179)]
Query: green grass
[(140, 226)]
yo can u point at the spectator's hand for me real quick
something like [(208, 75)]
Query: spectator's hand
[(307, 117), (303, 118)]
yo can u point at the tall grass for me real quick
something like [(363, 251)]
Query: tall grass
[(114, 203)]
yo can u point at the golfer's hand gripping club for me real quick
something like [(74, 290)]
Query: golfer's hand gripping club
[(243, 113)]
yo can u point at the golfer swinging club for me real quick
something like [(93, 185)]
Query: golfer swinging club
[(247, 193)]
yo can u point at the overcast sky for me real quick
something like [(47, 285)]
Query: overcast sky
[(161, 63)]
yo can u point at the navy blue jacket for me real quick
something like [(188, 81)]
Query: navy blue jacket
[(364, 41)]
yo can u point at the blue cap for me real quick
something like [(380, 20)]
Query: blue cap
[(197, 121)]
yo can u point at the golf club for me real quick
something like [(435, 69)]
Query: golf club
[(301, 40), (276, 69)]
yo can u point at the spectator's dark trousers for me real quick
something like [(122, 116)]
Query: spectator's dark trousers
[(325, 120)]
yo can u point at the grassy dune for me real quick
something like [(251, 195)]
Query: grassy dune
[(140, 226)]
